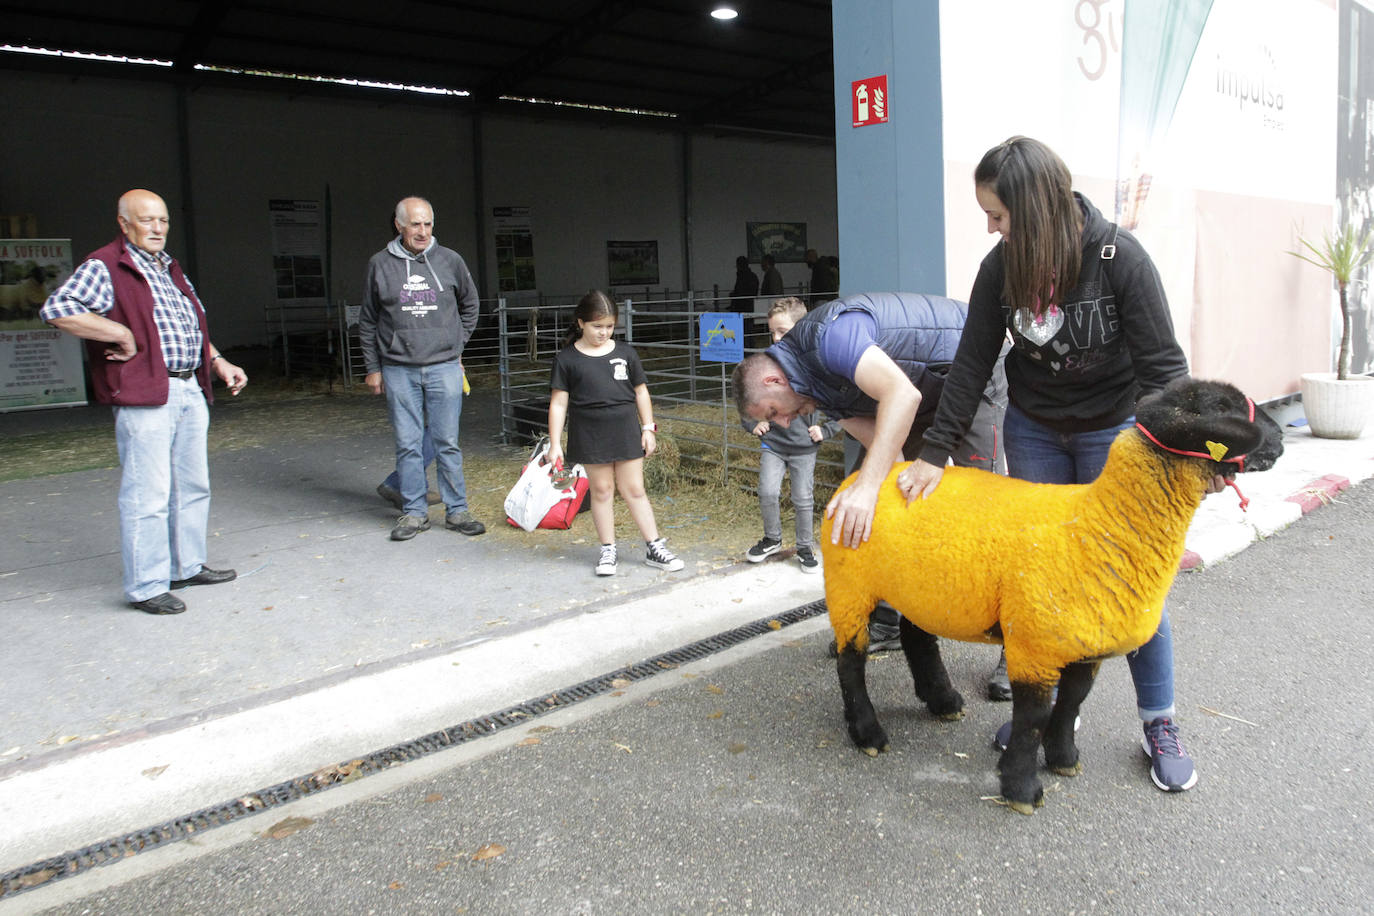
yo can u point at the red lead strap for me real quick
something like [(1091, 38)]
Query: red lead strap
[(1239, 460)]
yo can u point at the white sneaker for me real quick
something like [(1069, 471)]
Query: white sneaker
[(605, 564), (658, 555)]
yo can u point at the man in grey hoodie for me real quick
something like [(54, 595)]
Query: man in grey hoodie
[(419, 309)]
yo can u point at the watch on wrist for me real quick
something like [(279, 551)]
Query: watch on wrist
[(650, 427)]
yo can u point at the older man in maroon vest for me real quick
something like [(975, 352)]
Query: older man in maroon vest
[(151, 359)]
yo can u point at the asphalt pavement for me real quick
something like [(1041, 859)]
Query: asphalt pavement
[(723, 784)]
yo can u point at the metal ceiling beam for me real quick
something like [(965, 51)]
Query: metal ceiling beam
[(198, 36), (556, 48)]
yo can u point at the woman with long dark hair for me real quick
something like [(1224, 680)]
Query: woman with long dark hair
[(1091, 334)]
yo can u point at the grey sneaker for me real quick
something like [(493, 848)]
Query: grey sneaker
[(807, 558), (407, 526), (1171, 769), (463, 523), (762, 550), (391, 495), (657, 555), (606, 563)]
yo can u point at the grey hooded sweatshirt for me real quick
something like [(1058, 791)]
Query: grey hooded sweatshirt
[(418, 310)]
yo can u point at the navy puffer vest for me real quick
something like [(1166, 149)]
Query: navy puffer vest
[(920, 333)]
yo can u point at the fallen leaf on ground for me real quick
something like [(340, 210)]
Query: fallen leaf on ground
[(284, 828), (775, 624), (527, 742), (155, 772), (717, 714), (620, 682), (651, 702), (712, 688), (434, 797), (488, 851), (395, 886)]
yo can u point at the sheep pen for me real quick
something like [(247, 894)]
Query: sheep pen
[(1064, 576)]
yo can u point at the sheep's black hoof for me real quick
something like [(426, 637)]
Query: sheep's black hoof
[(1073, 770), (950, 707), (1021, 807), (872, 741)]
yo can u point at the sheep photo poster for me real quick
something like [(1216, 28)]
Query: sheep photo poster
[(39, 366)]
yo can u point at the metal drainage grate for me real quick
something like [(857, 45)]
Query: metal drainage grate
[(122, 847)]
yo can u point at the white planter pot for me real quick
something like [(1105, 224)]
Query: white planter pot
[(1337, 409)]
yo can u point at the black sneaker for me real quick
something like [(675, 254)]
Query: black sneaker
[(657, 555), (391, 495), (807, 558), (1171, 769), (762, 550)]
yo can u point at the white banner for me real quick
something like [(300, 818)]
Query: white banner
[(39, 366)]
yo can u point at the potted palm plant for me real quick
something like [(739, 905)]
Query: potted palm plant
[(1338, 404)]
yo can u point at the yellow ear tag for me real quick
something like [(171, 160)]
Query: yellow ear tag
[(1216, 450)]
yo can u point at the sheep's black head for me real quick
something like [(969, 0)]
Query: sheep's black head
[(1212, 419)]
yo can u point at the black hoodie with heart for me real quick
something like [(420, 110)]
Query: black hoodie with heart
[(1081, 365)]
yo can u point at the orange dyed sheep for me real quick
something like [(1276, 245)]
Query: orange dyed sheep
[(1063, 576)]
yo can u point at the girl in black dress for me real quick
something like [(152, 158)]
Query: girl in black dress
[(599, 384)]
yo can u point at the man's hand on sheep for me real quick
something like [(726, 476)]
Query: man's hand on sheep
[(852, 512), (919, 480)]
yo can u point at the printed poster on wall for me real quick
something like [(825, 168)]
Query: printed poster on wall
[(632, 263), (514, 248), (786, 242), (39, 365), (297, 251)]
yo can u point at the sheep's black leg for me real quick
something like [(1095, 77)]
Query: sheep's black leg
[(933, 686), (858, 708), (1030, 712), (1061, 754)]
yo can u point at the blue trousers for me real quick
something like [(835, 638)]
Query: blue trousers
[(1043, 455), (164, 489)]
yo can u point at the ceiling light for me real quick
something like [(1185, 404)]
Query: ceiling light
[(724, 13)]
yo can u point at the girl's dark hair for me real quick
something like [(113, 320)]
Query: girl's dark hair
[(590, 307), (1043, 248)]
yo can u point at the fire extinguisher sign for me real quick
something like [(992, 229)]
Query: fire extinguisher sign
[(869, 101)]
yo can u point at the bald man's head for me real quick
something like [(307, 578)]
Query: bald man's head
[(143, 219)]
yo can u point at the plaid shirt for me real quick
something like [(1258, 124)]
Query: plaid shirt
[(89, 289)]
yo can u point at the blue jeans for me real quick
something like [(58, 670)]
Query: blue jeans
[(803, 470), (393, 479), (164, 490), (420, 398), (1040, 454)]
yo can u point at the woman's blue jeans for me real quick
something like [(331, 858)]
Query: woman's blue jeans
[(1043, 455)]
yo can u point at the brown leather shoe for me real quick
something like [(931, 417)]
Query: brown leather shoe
[(207, 576), (166, 603)]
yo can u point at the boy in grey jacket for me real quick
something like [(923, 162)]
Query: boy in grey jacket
[(791, 448)]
